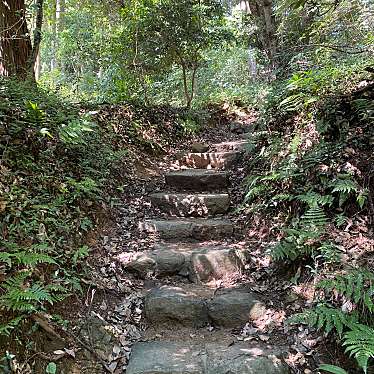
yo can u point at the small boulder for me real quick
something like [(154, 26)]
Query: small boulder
[(199, 148), (208, 264)]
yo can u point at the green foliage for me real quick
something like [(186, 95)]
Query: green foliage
[(21, 296), (355, 286), (332, 369), (326, 318), (52, 183), (359, 343), (357, 337), (51, 368)]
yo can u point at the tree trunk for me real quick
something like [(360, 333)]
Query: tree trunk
[(57, 27), (37, 37), (185, 85), (15, 42), (262, 10)]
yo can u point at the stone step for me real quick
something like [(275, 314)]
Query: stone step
[(199, 264), (197, 179), (198, 228), (209, 160), (191, 205), (169, 357), (197, 306), (237, 146)]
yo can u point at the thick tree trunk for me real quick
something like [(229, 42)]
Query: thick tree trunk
[(15, 42)]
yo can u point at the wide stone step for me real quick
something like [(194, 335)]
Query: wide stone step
[(234, 146), (168, 357), (197, 179), (187, 205), (198, 228), (196, 306), (201, 264), (210, 160)]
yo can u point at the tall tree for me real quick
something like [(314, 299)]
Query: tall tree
[(15, 42), (35, 56)]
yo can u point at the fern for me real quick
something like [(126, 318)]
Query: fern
[(314, 199), (359, 343), (355, 286), (326, 318), (22, 297), (330, 252), (340, 220), (332, 369), (294, 245), (285, 250), (344, 186), (314, 217), (7, 328)]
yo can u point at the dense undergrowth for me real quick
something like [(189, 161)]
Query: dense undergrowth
[(312, 171), (61, 168)]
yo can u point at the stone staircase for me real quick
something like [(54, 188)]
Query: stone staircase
[(191, 320)]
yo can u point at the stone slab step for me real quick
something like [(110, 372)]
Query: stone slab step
[(196, 306), (209, 160), (197, 179), (169, 357), (191, 205), (237, 146), (201, 264), (198, 228)]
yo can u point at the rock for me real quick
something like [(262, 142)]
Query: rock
[(142, 263), (188, 228), (239, 128), (159, 263), (181, 358), (238, 146), (236, 128), (165, 358), (209, 264), (184, 306), (97, 331), (241, 359), (215, 160), (199, 147), (183, 205), (197, 179), (233, 308)]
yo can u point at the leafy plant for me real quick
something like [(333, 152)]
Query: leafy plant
[(332, 369), (359, 343)]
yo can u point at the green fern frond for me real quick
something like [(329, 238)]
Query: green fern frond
[(326, 318), (314, 199), (31, 259), (356, 286), (314, 217), (359, 343), (284, 250), (330, 252), (8, 327), (6, 258), (20, 296), (346, 186)]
